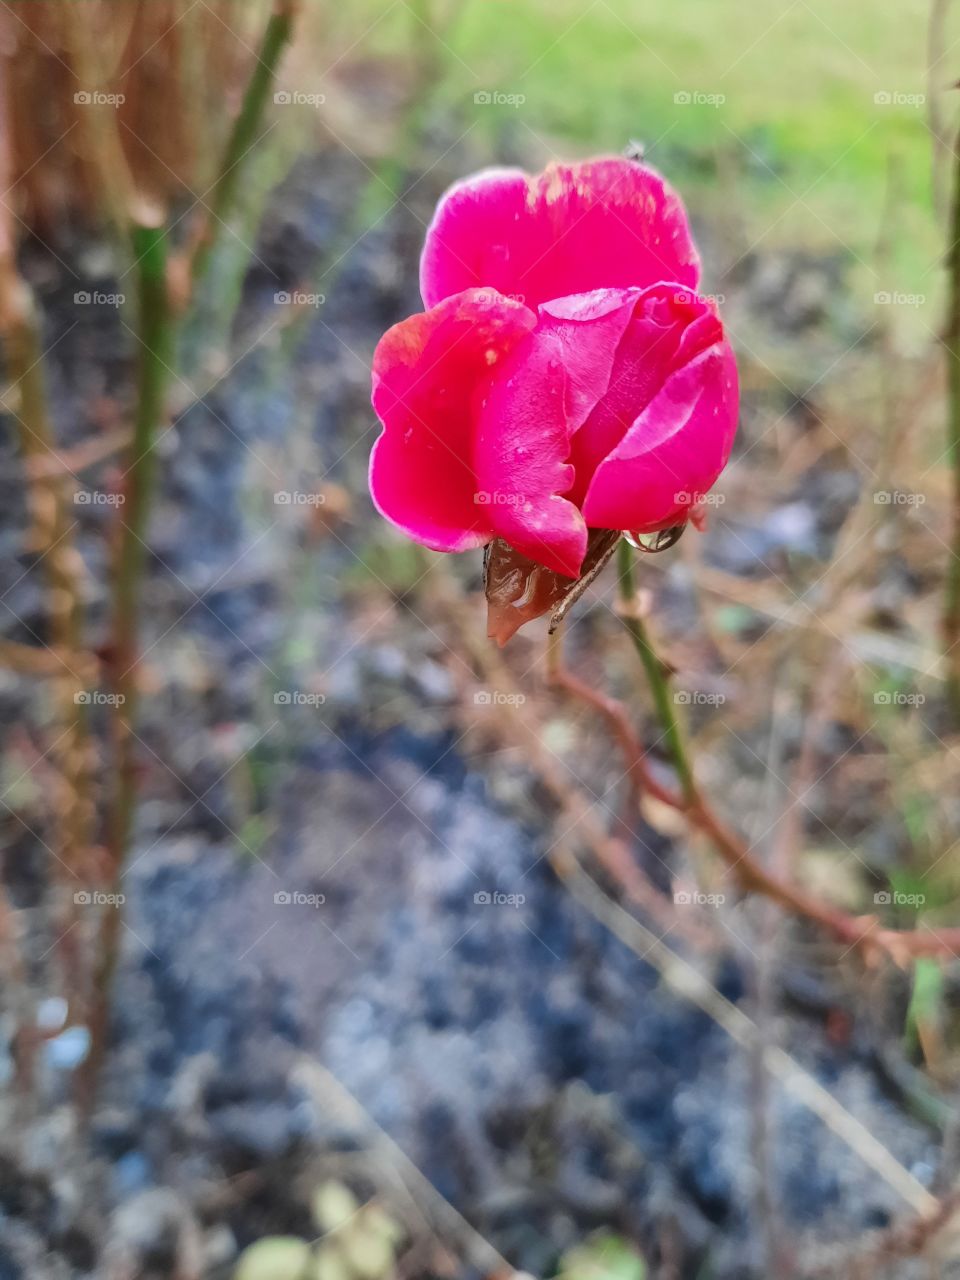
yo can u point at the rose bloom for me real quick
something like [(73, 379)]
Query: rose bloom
[(566, 376)]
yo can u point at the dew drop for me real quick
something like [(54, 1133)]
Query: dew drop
[(661, 540)]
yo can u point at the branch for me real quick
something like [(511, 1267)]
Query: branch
[(853, 931)]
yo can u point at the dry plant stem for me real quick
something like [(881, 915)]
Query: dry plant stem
[(72, 805), (852, 931), (951, 619), (243, 135), (521, 727), (687, 981), (155, 332)]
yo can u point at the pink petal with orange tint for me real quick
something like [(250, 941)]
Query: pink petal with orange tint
[(542, 393), (429, 372), (604, 223)]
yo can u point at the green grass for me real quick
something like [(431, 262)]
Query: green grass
[(798, 139)]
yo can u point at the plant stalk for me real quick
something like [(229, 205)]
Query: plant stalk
[(155, 353), (951, 342), (656, 675), (276, 37)]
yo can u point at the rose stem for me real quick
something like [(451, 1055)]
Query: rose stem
[(656, 674), (155, 342), (951, 342), (752, 875)]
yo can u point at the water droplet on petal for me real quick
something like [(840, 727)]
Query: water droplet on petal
[(661, 540)]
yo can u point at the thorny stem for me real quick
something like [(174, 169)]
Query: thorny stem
[(853, 931), (155, 333), (951, 618), (276, 37), (656, 674)]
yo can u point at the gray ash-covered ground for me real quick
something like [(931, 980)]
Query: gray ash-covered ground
[(535, 1069)]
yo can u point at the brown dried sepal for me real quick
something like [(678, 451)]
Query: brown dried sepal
[(519, 590)]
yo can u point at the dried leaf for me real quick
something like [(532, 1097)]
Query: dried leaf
[(519, 590)]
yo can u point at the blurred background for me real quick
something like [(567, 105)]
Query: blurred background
[(336, 943)]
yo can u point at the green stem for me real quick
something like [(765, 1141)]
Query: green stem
[(154, 356), (951, 617), (276, 37), (656, 675)]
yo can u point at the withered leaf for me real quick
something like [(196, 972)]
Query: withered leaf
[(519, 590)]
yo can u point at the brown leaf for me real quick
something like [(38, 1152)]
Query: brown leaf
[(519, 590)]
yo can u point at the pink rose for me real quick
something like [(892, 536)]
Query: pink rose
[(566, 377)]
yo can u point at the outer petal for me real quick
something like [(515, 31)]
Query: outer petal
[(676, 447), (428, 373), (542, 393), (605, 223)]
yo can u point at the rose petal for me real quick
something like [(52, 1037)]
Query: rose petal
[(673, 452), (668, 326), (541, 394), (604, 223), (428, 372)]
